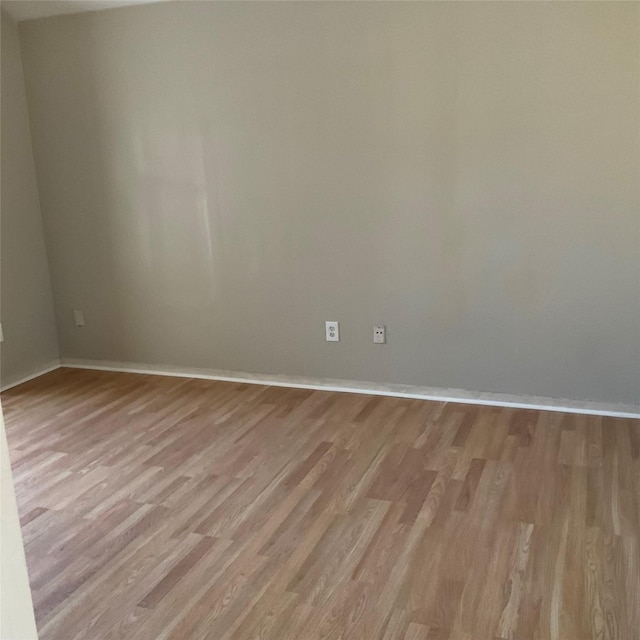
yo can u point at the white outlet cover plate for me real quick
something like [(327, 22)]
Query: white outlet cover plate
[(78, 317), (379, 334), (332, 331)]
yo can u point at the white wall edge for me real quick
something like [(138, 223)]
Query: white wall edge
[(51, 366), (368, 388)]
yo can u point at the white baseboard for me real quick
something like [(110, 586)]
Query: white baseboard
[(36, 373), (369, 388)]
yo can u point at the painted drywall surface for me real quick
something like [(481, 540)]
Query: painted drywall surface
[(16, 607), (218, 179), (26, 302)]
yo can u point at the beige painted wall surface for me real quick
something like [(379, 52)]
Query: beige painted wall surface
[(16, 607), (26, 303), (218, 179)]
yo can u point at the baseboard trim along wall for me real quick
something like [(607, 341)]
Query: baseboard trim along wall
[(346, 386), (36, 373), (349, 386)]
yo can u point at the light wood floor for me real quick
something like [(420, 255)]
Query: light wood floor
[(172, 508)]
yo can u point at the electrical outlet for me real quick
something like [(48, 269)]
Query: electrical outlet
[(78, 317), (379, 334), (332, 331)]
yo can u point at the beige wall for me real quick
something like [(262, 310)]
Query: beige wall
[(218, 179), (16, 608), (26, 304)]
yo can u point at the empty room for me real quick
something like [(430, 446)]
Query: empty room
[(320, 320)]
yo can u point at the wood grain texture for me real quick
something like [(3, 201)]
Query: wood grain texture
[(155, 507)]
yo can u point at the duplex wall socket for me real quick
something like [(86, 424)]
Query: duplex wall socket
[(78, 317), (332, 331)]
